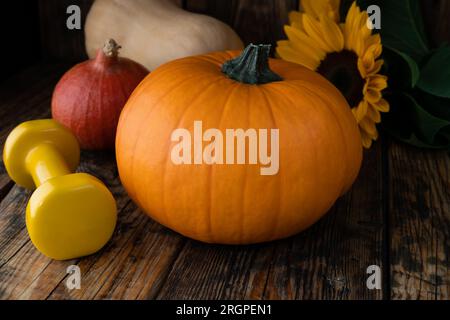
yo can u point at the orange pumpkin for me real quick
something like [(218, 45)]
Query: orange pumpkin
[(319, 146)]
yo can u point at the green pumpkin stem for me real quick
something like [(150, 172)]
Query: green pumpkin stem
[(252, 66)]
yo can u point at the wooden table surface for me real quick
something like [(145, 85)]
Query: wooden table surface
[(396, 216)]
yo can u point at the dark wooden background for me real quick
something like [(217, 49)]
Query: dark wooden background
[(396, 215), (34, 30)]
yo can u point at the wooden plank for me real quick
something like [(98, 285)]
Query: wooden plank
[(5, 184), (437, 25), (254, 20), (198, 6), (12, 237), (419, 209), (19, 33), (330, 260), (58, 42), (132, 265), (257, 21), (24, 96), (21, 93), (327, 261), (24, 272), (261, 21), (205, 271), (221, 10)]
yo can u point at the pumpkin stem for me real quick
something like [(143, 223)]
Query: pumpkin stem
[(252, 66), (111, 48)]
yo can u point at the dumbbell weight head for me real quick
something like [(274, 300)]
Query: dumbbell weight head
[(26, 137), (69, 215)]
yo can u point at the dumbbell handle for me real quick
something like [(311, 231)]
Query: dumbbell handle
[(45, 162)]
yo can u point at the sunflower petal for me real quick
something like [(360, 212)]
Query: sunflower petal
[(373, 114), (350, 25), (313, 29), (332, 34), (377, 81), (376, 68), (359, 46), (371, 95), (364, 65), (281, 43), (289, 54), (333, 11), (295, 16), (298, 25), (373, 39), (374, 49), (360, 111), (366, 140), (363, 34), (382, 105), (364, 30), (368, 126), (375, 42), (312, 7), (302, 42), (315, 8)]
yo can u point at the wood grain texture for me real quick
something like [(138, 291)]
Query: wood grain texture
[(419, 188), (58, 42), (21, 98), (132, 265), (328, 261), (436, 21), (140, 252), (19, 33), (24, 272), (396, 216), (257, 21), (100, 272), (5, 184)]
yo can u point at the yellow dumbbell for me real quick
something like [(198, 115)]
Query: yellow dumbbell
[(70, 214)]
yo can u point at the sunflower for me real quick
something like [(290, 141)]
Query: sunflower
[(347, 54)]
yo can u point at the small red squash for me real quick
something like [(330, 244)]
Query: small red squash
[(89, 97), (319, 146)]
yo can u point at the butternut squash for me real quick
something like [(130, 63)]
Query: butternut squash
[(153, 32)]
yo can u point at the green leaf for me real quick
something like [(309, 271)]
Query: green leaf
[(413, 67), (402, 70), (414, 141), (402, 27), (428, 125), (435, 75), (437, 106), (410, 122)]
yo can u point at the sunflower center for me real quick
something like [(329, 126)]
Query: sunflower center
[(341, 69)]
